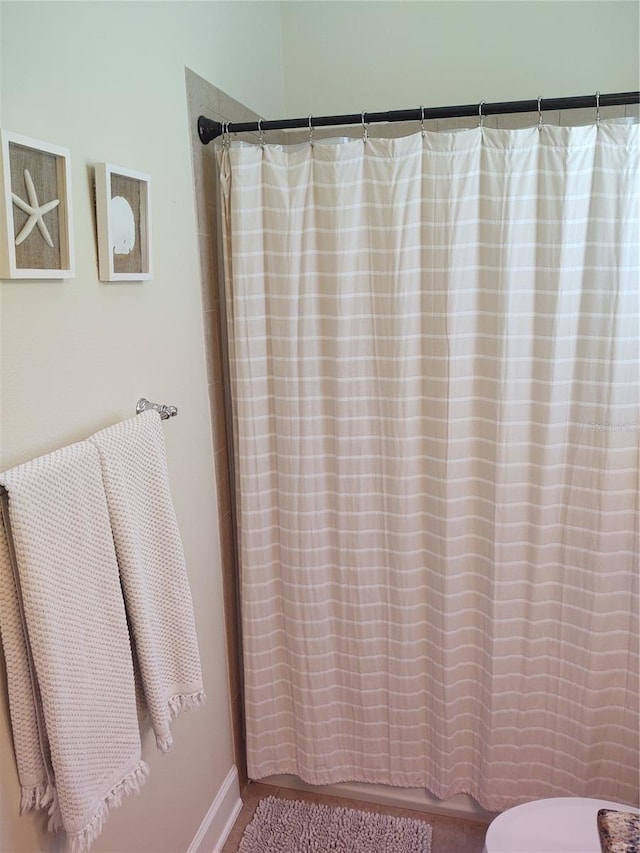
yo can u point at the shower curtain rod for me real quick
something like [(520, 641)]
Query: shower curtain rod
[(208, 129)]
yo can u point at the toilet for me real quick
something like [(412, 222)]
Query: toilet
[(558, 825)]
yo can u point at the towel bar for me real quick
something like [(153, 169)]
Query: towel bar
[(142, 405)]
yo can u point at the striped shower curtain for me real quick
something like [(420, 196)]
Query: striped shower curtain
[(434, 356)]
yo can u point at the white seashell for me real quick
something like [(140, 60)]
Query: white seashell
[(123, 226)]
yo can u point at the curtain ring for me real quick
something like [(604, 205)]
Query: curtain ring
[(422, 121), (540, 122), (365, 129), (261, 133), (226, 136), (597, 109), (310, 132), (480, 106)]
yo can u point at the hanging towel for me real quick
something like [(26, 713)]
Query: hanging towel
[(152, 568), (31, 746), (66, 643)]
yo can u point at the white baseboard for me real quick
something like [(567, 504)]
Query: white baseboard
[(220, 817)]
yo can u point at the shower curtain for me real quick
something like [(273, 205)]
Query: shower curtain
[(435, 379)]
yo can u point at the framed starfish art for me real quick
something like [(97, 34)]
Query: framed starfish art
[(123, 216), (35, 216)]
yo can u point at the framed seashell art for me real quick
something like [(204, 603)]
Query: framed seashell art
[(36, 232), (123, 218)]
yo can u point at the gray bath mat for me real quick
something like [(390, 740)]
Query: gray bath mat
[(292, 826)]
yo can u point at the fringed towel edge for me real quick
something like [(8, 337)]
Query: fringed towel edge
[(55, 816), (80, 842), (177, 704), (186, 702), (36, 797), (42, 797)]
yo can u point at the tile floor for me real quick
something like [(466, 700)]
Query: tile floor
[(450, 835)]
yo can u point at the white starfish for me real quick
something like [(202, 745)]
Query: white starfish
[(36, 212)]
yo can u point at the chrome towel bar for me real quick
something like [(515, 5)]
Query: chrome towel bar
[(142, 405)]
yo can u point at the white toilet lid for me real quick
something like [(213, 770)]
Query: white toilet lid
[(559, 825)]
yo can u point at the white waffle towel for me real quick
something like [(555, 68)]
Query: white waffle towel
[(66, 644), (152, 568)]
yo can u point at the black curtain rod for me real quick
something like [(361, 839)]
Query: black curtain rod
[(208, 129)]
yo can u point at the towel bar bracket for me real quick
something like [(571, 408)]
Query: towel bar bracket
[(164, 411)]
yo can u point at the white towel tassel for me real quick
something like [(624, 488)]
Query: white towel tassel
[(82, 841)]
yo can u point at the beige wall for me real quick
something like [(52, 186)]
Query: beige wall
[(353, 56), (107, 80), (206, 99)]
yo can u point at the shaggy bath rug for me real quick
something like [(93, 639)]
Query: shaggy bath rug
[(291, 826)]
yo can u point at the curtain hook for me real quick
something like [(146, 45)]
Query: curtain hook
[(597, 109), (481, 122), (226, 136), (261, 133), (422, 121), (365, 130), (540, 122), (310, 132)]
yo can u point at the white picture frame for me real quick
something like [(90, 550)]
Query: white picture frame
[(123, 217), (36, 231)]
